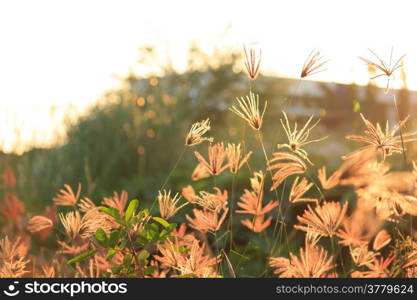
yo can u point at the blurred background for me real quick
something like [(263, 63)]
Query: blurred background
[(104, 92)]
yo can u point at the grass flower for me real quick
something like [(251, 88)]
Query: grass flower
[(298, 189), (13, 260), (298, 138), (207, 220), (168, 205), (189, 194), (285, 164), (251, 203), (314, 262), (313, 64), (381, 240), (235, 157), (361, 256), (355, 232), (386, 141), (252, 61), (212, 201), (38, 223), (324, 219), (200, 172), (379, 268), (67, 197), (248, 110), (216, 158), (197, 130), (257, 224), (387, 68), (118, 201)]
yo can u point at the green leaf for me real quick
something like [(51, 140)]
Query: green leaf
[(143, 255), (356, 106), (82, 256), (110, 254), (161, 221), (101, 237), (131, 209), (113, 239), (149, 270), (111, 212)]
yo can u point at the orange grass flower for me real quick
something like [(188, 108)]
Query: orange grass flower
[(216, 158), (235, 157), (118, 201), (251, 203), (298, 189), (200, 172), (314, 262), (66, 196), (197, 130), (206, 220), (387, 142), (248, 110), (299, 138), (168, 205), (379, 268), (38, 223), (381, 240), (361, 256), (286, 164), (257, 223), (324, 219)]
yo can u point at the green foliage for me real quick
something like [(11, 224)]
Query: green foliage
[(135, 245)]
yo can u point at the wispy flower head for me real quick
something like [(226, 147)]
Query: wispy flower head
[(285, 164), (235, 157), (213, 201), (13, 258), (216, 158), (381, 240), (207, 220), (197, 130), (298, 189), (168, 205), (313, 64), (189, 194), (248, 110), (200, 172), (258, 223), (298, 138), (378, 268), (387, 68), (252, 203), (361, 256), (38, 223), (314, 262), (252, 61), (67, 197), (324, 219), (118, 201), (386, 141), (192, 263)]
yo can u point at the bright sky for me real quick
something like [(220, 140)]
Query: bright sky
[(61, 52)]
